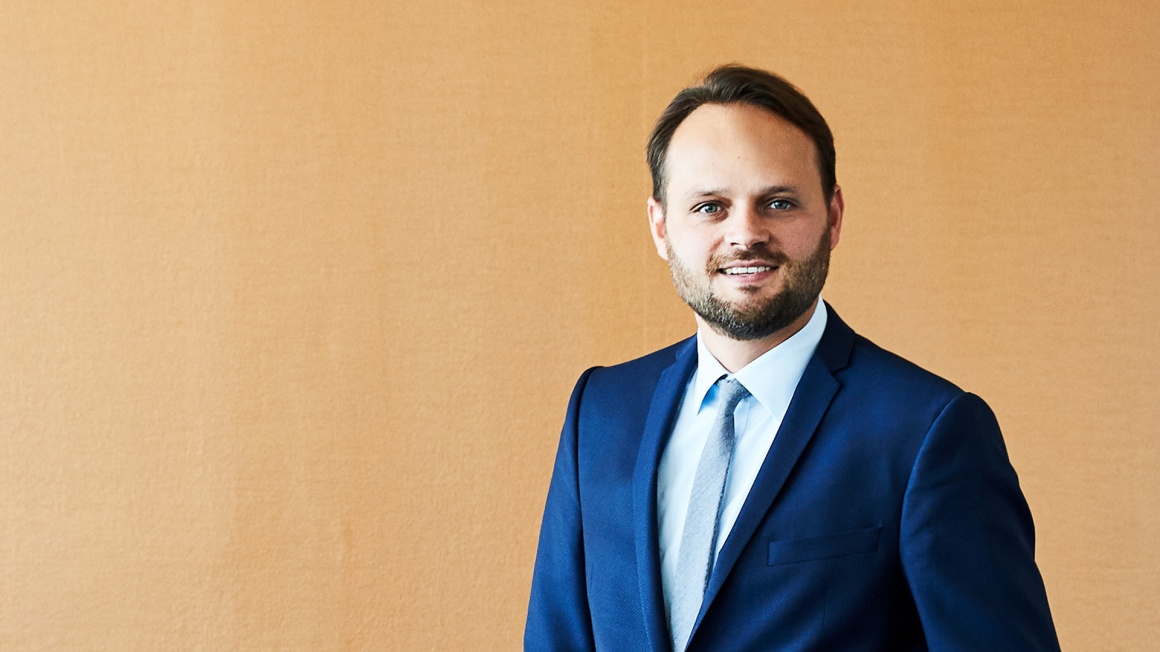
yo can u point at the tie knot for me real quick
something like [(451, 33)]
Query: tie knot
[(732, 393)]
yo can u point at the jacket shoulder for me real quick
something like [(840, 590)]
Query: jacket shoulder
[(643, 371), (874, 373), (889, 391), (869, 359)]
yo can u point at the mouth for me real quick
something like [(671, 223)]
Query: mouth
[(747, 270), (749, 274)]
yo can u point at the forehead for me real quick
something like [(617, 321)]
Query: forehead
[(738, 147)]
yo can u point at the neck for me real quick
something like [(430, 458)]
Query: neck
[(735, 354)]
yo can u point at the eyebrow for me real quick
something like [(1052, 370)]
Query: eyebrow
[(768, 190)]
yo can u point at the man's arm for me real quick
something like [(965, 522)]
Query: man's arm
[(558, 616), (967, 541)]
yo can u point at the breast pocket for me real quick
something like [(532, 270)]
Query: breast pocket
[(842, 544)]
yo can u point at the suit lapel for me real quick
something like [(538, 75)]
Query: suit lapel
[(811, 399), (658, 426)]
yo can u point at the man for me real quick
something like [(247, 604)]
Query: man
[(776, 482)]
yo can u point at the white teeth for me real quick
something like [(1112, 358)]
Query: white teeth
[(747, 270)]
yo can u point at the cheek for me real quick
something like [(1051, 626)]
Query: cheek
[(683, 243), (803, 242), (693, 257)]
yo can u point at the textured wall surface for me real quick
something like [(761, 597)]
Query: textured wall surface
[(292, 294)]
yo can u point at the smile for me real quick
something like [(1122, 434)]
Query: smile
[(746, 270)]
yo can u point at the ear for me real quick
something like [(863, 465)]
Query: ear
[(656, 226), (834, 216)]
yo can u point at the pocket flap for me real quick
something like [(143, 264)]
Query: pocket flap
[(791, 551)]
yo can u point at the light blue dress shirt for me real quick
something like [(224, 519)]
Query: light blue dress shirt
[(771, 380)]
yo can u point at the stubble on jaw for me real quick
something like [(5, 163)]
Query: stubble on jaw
[(755, 318)]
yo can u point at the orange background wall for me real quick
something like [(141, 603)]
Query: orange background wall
[(292, 294)]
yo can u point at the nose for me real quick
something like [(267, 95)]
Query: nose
[(746, 228)]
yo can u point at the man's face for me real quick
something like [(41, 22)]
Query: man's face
[(745, 225)]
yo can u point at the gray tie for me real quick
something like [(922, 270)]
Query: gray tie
[(695, 558)]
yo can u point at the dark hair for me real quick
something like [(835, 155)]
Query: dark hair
[(732, 84)]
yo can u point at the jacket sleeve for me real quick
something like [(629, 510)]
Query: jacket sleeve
[(558, 615), (967, 541)]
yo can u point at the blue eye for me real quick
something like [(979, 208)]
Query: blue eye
[(707, 209), (781, 204)]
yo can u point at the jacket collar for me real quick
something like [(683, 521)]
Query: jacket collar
[(661, 414)]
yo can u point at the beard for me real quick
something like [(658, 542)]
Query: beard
[(753, 318)]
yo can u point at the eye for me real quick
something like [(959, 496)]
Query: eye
[(780, 204), (708, 208)]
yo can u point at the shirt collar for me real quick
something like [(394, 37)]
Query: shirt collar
[(771, 378)]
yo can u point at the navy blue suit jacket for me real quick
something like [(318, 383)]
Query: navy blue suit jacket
[(885, 517)]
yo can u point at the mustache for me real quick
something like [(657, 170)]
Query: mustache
[(759, 254)]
